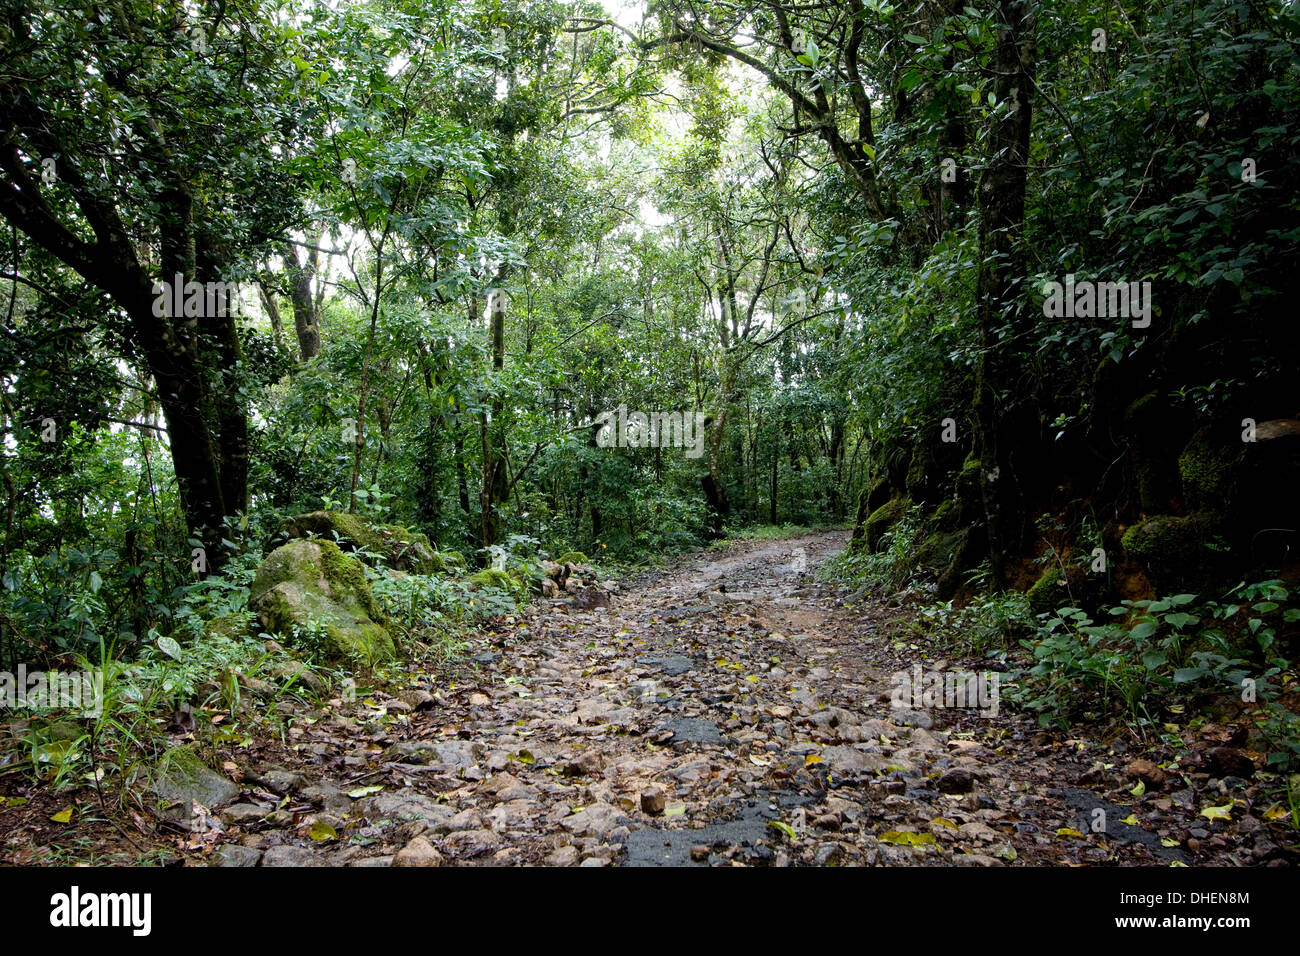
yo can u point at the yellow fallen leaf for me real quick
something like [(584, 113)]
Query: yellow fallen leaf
[(1131, 820), (811, 759), (906, 838), (1172, 728), (1006, 852), (1067, 831), (943, 822), (322, 831), (1217, 813), (1167, 842), (760, 761), (1140, 789), (1278, 812), (63, 816), (1178, 863), (752, 678)]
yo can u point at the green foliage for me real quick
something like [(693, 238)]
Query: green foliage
[(889, 568), (1152, 653)]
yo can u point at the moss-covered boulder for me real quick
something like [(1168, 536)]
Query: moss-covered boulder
[(310, 586), (1049, 591), (970, 492), (396, 546), (1158, 429), (181, 779), (1205, 470), (1172, 550), (946, 516), (918, 471), (572, 557), (936, 551), (869, 499), (881, 520), (511, 584), (453, 560)]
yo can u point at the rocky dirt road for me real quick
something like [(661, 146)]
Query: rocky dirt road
[(728, 711)]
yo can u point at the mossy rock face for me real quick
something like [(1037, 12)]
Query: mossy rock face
[(1048, 592), (917, 471), (1206, 472), (308, 581), (572, 557), (1171, 549), (400, 549), (937, 551), (946, 516), (970, 492), (882, 519)]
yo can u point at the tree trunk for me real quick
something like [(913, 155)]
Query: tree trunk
[(1003, 425), (306, 317)]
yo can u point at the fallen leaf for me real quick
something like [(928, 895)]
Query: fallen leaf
[(1217, 813), (943, 822), (906, 838), (63, 816), (1167, 842), (1067, 831), (322, 831), (760, 761), (1006, 852), (1278, 812), (811, 759), (784, 828), (1140, 789), (360, 792), (1131, 820)]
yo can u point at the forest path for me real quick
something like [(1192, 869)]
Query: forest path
[(726, 710)]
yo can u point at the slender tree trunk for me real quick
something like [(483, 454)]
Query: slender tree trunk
[(1002, 415), (306, 318)]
